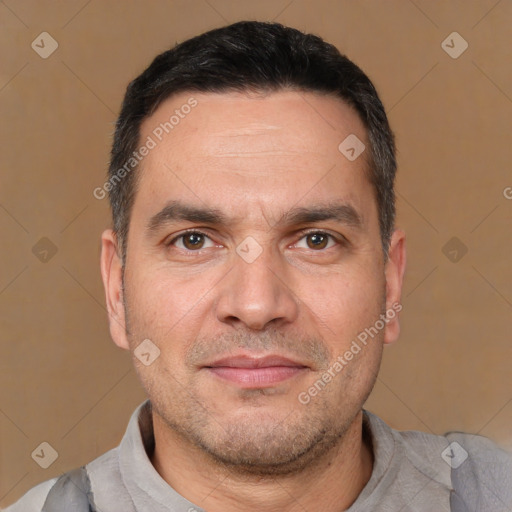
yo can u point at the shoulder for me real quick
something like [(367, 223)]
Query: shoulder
[(98, 480), (454, 449), (481, 471), (72, 488), (481, 453), (475, 469), (33, 500)]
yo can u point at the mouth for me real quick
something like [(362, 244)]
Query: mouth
[(251, 372)]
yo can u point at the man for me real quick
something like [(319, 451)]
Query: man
[(255, 274)]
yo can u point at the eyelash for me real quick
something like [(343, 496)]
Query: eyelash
[(340, 240)]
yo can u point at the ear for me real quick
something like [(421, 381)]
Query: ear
[(111, 273), (394, 271)]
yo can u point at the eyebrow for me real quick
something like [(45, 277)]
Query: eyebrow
[(343, 213), (178, 211)]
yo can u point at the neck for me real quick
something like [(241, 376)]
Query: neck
[(331, 484)]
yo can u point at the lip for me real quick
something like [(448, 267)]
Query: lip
[(255, 372)]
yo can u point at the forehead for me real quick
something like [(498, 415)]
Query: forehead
[(303, 121), (237, 150)]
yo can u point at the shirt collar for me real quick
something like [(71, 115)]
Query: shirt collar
[(149, 490)]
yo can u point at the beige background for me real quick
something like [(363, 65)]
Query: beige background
[(64, 382)]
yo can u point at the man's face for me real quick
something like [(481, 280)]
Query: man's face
[(254, 260)]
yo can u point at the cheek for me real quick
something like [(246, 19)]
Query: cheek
[(166, 307), (169, 312), (347, 301)]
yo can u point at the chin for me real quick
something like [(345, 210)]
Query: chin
[(262, 445)]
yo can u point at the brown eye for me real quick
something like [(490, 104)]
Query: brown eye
[(192, 241), (317, 240)]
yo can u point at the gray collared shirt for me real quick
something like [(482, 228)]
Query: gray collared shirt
[(413, 471)]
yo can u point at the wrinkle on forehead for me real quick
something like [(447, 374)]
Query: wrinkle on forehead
[(256, 154), (248, 129), (252, 142)]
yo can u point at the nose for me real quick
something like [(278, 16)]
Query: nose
[(257, 294)]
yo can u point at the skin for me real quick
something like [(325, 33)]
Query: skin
[(255, 157)]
